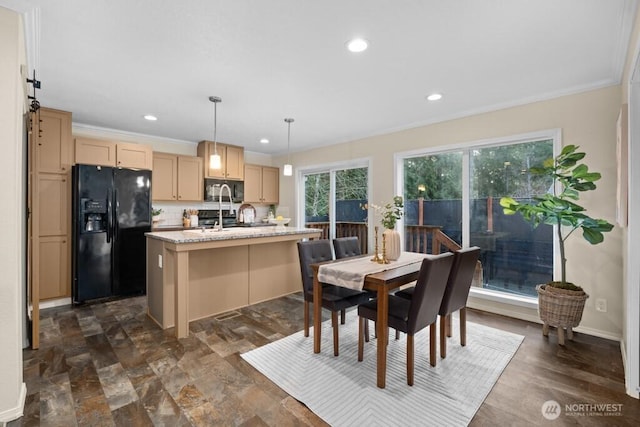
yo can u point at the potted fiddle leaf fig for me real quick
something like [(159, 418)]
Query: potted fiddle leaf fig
[(561, 303)]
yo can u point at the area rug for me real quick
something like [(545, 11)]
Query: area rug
[(343, 391)]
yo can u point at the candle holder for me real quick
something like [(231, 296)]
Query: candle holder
[(376, 256), (383, 259)]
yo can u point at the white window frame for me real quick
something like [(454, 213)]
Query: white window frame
[(330, 168), (553, 134)]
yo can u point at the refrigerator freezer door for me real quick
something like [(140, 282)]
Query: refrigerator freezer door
[(93, 276), (91, 253), (132, 205)]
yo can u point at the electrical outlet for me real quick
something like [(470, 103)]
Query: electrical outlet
[(601, 305), (160, 261)]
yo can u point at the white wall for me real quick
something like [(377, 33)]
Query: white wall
[(587, 119), (12, 281), (631, 292)]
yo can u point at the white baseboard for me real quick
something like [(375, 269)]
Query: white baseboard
[(16, 412), (598, 333), (478, 305), (54, 303)]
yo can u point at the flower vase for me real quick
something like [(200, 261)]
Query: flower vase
[(392, 244)]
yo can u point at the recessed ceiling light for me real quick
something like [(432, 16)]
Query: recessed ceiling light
[(264, 141), (150, 117), (434, 97), (357, 45)]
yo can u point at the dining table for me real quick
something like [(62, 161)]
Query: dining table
[(381, 279)]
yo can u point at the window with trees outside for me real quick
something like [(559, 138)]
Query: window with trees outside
[(452, 199), (333, 201)]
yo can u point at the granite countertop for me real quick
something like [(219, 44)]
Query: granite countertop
[(167, 227), (179, 227), (197, 235)]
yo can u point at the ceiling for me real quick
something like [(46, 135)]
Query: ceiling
[(111, 62)]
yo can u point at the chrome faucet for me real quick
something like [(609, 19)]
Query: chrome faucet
[(222, 187)]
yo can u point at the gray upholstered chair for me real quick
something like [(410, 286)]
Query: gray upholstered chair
[(455, 296), (411, 316), (334, 298), (346, 247)]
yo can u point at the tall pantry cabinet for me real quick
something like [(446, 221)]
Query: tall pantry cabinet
[(50, 158)]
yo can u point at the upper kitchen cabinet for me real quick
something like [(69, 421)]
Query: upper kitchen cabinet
[(110, 153), (95, 152), (232, 159), (52, 136), (261, 184), (135, 156), (177, 178)]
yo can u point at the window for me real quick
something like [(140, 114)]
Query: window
[(333, 200), (452, 199)]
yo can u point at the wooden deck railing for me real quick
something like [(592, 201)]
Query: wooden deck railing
[(345, 229), (417, 237)]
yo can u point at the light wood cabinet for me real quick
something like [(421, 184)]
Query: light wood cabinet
[(177, 178), (190, 179), (52, 131), (95, 152), (54, 269), (89, 151), (136, 156), (53, 197), (231, 156), (164, 179), (49, 192), (261, 184)]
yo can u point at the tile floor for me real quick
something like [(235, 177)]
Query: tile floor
[(108, 364)]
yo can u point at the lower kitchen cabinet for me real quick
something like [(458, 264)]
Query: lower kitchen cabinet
[(261, 184), (51, 235), (53, 267)]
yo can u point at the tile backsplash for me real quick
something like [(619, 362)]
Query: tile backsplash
[(172, 212)]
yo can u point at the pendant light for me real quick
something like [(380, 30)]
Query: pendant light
[(215, 162), (288, 168)]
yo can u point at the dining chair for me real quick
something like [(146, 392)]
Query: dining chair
[(411, 316), (345, 247), (455, 295), (334, 298)]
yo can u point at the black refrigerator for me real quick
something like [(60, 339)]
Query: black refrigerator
[(111, 213)]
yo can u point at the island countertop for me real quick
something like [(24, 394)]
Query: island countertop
[(209, 235)]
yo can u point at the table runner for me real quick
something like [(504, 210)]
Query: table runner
[(350, 273)]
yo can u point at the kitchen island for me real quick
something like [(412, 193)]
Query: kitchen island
[(193, 274)]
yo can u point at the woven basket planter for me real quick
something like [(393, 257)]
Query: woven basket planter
[(560, 307)]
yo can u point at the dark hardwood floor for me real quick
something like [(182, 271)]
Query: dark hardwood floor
[(108, 364)]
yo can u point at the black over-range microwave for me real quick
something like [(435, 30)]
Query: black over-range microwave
[(212, 190)]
